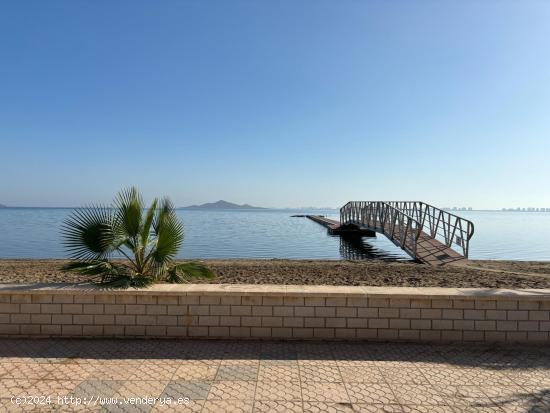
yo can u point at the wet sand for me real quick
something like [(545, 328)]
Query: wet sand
[(477, 274)]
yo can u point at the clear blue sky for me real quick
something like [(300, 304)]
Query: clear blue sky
[(276, 103)]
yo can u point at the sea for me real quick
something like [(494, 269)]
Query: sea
[(274, 233)]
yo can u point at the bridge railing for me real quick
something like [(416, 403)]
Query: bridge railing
[(454, 231), (416, 216), (403, 229)]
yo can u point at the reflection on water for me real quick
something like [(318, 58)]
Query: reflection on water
[(358, 248)]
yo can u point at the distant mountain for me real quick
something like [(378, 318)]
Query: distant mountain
[(221, 205), (3, 206)]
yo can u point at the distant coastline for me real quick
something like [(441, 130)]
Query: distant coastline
[(221, 204)]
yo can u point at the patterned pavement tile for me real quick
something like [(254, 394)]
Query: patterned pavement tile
[(242, 372), (192, 406), (5, 368), (233, 406), (53, 388), (67, 372), (540, 392), (317, 362), (422, 365), (468, 393), (197, 363), (487, 377), (90, 389), (273, 390), (278, 373), (277, 376), (81, 408), (531, 377), (240, 362), (484, 405), (153, 371), (404, 375), (447, 376), (83, 362), (427, 409), (503, 392), (140, 389), (356, 363), (418, 394), (279, 362), (194, 390), (397, 364), (29, 371), (232, 390), (378, 408), (267, 406), (482, 409), (361, 374), (318, 407), (320, 372), (491, 358), (370, 393), (14, 387), (19, 357), (112, 372), (122, 407), (523, 406), (324, 392), (195, 372), (8, 406)]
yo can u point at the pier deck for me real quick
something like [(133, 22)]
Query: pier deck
[(334, 227)]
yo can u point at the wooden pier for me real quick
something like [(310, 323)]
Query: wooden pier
[(335, 228), (428, 234)]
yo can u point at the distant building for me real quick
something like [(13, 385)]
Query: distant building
[(528, 209)]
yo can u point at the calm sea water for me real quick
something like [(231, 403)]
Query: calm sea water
[(35, 233)]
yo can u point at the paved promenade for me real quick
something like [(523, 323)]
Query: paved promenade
[(244, 376)]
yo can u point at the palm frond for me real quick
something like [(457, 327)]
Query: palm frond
[(127, 281), (88, 233), (169, 232), (148, 223), (102, 270), (158, 269), (128, 216), (93, 267), (186, 272)]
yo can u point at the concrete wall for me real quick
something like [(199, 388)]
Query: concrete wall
[(278, 312)]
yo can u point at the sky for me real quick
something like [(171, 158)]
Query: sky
[(275, 103)]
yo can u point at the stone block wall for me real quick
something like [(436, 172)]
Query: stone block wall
[(277, 312)]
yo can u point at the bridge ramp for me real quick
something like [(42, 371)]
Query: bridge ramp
[(428, 234)]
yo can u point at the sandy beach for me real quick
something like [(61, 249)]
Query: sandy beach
[(477, 274)]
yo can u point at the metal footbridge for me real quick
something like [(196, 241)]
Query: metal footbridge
[(428, 234)]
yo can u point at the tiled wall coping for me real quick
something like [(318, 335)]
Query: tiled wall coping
[(285, 290)]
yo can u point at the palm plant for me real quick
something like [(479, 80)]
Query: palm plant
[(147, 243)]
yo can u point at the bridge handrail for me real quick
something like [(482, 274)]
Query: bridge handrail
[(452, 229), (365, 203), (401, 227)]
